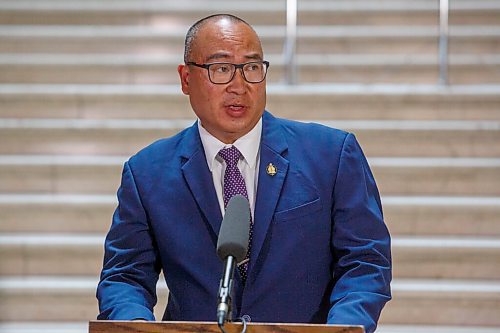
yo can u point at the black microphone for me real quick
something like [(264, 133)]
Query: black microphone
[(232, 247)]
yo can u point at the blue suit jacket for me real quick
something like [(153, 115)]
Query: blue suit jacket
[(320, 251)]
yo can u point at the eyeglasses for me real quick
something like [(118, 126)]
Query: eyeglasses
[(223, 72)]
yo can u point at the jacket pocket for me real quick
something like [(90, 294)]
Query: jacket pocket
[(298, 212)]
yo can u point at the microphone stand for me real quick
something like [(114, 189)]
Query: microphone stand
[(226, 285)]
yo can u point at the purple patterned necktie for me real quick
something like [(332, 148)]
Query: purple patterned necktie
[(235, 184)]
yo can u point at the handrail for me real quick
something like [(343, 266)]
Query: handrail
[(444, 10), (289, 49)]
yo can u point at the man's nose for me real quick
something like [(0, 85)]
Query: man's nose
[(238, 83)]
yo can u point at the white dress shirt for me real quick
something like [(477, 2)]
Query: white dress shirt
[(249, 147)]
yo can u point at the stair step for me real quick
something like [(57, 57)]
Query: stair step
[(430, 216), (44, 327), (128, 12), (443, 302), (446, 258), (263, 12), (125, 69), (67, 213), (430, 258), (60, 174), (416, 302), (411, 216), (123, 137), (311, 39), (437, 176), (32, 255), (55, 298), (329, 101), (395, 176)]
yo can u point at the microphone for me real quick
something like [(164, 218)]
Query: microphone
[(232, 247)]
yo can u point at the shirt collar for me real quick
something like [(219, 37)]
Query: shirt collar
[(248, 145)]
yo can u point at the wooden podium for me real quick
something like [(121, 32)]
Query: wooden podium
[(102, 326)]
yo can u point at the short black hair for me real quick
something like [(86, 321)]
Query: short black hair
[(193, 31)]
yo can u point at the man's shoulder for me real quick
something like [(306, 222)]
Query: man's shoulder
[(162, 150)]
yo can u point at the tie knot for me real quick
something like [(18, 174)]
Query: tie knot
[(231, 155)]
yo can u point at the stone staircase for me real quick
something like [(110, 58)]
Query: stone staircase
[(84, 84)]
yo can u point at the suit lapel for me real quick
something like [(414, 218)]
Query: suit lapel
[(273, 147), (199, 178)]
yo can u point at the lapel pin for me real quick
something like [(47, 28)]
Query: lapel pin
[(271, 169)]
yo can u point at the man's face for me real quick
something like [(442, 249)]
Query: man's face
[(227, 111)]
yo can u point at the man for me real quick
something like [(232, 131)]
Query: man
[(319, 252)]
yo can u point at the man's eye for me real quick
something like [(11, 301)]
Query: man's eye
[(223, 69), (253, 67)]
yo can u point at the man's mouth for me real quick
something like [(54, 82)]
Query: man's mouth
[(235, 107)]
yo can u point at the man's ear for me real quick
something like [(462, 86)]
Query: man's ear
[(183, 71)]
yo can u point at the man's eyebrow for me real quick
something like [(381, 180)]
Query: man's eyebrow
[(217, 56), (254, 56)]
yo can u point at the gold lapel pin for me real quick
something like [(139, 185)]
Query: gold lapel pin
[(271, 169)]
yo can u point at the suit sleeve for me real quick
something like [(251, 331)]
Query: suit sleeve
[(127, 288), (361, 243)]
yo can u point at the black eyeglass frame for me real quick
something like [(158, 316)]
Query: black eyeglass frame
[(236, 66)]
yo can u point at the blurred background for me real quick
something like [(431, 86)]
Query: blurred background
[(85, 84)]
